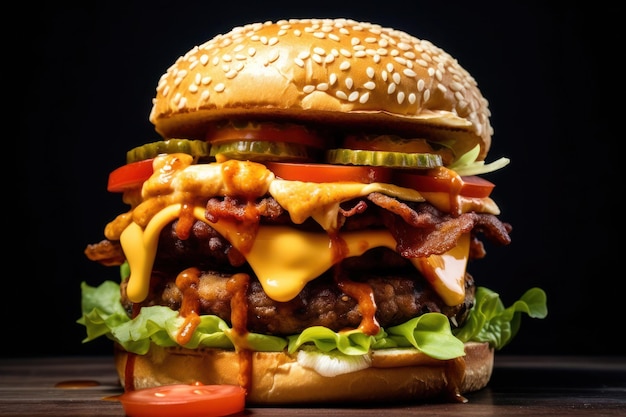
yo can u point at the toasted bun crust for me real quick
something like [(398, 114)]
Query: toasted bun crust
[(277, 378), (331, 70)]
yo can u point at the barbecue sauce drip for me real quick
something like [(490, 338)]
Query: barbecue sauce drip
[(238, 286), (186, 220), (129, 369), (455, 373), (187, 282), (456, 183), (364, 295)]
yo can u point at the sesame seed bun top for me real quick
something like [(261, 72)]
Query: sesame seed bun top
[(323, 70)]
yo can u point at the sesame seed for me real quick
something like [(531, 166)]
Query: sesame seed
[(299, 62), (370, 85), (400, 60), (353, 96), (364, 98), (345, 65), (370, 72), (274, 55), (308, 88), (345, 53), (219, 87), (349, 83), (322, 87), (391, 88), (456, 86), (341, 95)]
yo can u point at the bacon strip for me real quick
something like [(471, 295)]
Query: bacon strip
[(421, 230)]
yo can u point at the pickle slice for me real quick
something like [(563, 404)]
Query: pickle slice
[(196, 148), (383, 158), (254, 150)]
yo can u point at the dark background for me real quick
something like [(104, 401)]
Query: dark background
[(92, 72)]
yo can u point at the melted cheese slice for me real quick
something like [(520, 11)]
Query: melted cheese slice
[(281, 256), (283, 259)]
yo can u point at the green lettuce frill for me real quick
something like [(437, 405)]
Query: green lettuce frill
[(489, 321)]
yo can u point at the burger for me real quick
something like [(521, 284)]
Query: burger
[(302, 224)]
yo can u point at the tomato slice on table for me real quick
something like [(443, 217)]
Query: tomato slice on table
[(129, 176), (182, 400), (329, 173), (444, 180)]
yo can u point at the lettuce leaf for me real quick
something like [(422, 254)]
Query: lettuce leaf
[(489, 321), (104, 315)]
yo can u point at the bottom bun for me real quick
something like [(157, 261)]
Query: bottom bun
[(278, 378)]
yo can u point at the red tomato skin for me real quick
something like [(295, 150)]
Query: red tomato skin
[(267, 132), (183, 400), (468, 186), (321, 173), (129, 176)]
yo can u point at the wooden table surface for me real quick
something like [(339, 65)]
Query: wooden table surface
[(520, 386)]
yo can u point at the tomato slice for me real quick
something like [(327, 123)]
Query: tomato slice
[(129, 176), (182, 400), (329, 173), (269, 132), (444, 180)]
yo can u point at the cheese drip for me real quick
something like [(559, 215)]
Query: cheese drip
[(281, 256)]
